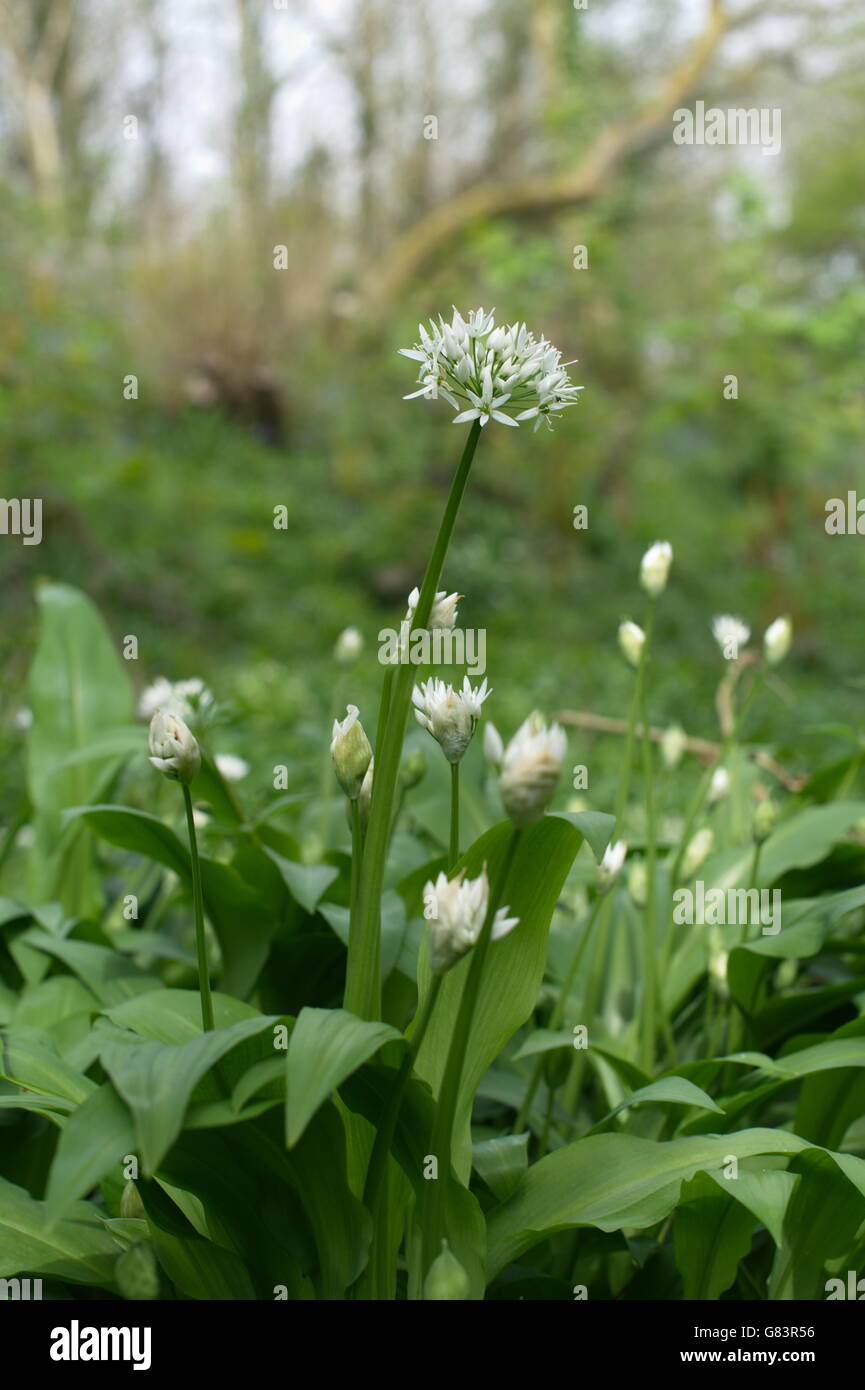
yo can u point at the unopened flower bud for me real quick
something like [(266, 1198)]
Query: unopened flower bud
[(131, 1205), (446, 1280), (349, 645), (698, 851), (655, 567), (351, 752), (764, 820), (412, 769), (777, 640), (631, 639), (611, 865), (674, 741), (638, 883), (719, 785), (173, 747), (494, 748), (531, 767), (444, 609)]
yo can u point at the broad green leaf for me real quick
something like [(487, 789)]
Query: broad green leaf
[(501, 1162), (326, 1046), (174, 1015), (764, 1192), (110, 976), (156, 1080), (78, 1248), (307, 883), (672, 1090), (543, 1040), (711, 1234), (617, 1180), (822, 1218), (596, 827), (29, 1059), (95, 1139), (514, 967)]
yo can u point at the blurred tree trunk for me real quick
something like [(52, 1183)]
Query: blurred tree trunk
[(37, 37)]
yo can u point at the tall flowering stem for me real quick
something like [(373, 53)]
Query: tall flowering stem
[(454, 845), (432, 1219), (650, 1008), (198, 905), (363, 975)]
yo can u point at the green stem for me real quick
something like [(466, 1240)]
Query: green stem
[(363, 973), (375, 1188), (198, 904), (558, 1013), (356, 857), (650, 1008), (454, 850), (448, 1097)]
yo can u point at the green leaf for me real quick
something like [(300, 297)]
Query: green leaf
[(156, 1080), (711, 1234), (501, 1162), (174, 1015), (94, 1140), (543, 1040), (108, 975), (674, 1090), (820, 1224), (596, 828), (514, 967), (326, 1046), (29, 1059), (307, 883), (617, 1180), (78, 1248)]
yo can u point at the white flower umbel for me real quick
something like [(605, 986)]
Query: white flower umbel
[(444, 609), (731, 634), (494, 748), (777, 640), (174, 749), (611, 865), (655, 567), (455, 910), (183, 698), (631, 639), (488, 373), (351, 752), (531, 767), (450, 715)]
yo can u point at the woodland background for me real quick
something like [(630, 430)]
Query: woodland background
[(304, 127)]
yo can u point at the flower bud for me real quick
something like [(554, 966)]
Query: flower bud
[(351, 752), (631, 639), (638, 883), (364, 801), (412, 769), (174, 749), (131, 1204), (655, 567), (349, 645), (444, 609), (719, 785), (494, 749), (698, 851), (611, 865), (777, 640), (446, 1280), (764, 820), (531, 767), (673, 744)]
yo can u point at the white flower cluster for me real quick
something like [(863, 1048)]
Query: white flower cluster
[(449, 715), (488, 373), (175, 697), (456, 910)]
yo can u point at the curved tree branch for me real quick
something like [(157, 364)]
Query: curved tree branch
[(548, 192)]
